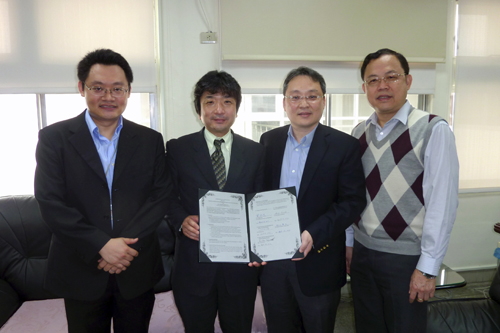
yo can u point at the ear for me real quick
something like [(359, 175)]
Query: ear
[(364, 88), (129, 90), (409, 80), (81, 88)]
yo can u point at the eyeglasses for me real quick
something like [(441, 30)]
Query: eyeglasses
[(389, 78), (310, 98), (100, 91)]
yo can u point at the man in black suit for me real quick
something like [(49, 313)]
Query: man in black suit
[(203, 289), (101, 186), (325, 167)]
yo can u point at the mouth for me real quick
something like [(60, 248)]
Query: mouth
[(384, 98), (304, 114), (219, 120), (108, 107)]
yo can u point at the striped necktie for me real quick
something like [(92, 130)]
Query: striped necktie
[(219, 164)]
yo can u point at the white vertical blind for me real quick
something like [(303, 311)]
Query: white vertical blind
[(41, 41), (332, 30), (477, 116)]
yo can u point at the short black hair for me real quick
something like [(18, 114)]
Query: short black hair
[(217, 82), (381, 52), (302, 70), (103, 57)]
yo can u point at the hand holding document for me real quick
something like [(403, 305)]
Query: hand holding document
[(253, 228)]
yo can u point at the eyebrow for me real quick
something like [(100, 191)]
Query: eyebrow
[(309, 91), (118, 83), (388, 72)]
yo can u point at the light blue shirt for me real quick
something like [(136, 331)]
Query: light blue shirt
[(294, 159), (107, 151)]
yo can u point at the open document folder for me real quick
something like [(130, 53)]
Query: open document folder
[(239, 228)]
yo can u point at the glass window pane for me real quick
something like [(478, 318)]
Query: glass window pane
[(63, 106), (263, 103), (18, 139)]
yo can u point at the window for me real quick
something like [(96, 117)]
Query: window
[(261, 113), (23, 115)]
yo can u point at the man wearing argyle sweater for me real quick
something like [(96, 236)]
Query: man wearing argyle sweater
[(411, 168)]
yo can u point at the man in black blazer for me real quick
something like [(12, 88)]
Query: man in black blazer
[(101, 186), (203, 289), (325, 167)]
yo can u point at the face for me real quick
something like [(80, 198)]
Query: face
[(304, 115), (218, 112), (386, 98), (106, 108)]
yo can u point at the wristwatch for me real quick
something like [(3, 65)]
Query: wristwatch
[(429, 276)]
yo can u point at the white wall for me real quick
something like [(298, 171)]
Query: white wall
[(185, 60)]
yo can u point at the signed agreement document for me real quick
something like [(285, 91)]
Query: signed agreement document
[(242, 228)]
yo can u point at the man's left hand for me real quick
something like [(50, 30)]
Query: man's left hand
[(421, 288), (306, 246)]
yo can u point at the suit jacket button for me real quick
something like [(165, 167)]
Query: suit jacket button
[(319, 251)]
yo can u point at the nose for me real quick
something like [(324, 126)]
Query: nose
[(383, 84), (303, 102), (107, 94), (219, 107)]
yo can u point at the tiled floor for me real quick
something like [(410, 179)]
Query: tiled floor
[(345, 313)]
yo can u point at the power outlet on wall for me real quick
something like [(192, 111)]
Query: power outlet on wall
[(208, 37)]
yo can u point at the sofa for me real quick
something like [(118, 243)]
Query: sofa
[(24, 246), (468, 315)]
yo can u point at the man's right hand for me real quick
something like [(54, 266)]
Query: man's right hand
[(191, 228), (118, 253)]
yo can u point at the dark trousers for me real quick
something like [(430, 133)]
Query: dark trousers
[(287, 309), (380, 283), (198, 312), (131, 315)]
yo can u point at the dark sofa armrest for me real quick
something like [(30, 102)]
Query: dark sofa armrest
[(9, 302), (463, 315)]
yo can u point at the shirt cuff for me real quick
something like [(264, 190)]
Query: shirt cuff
[(349, 237), (429, 265)]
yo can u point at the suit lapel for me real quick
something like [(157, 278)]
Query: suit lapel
[(202, 159), (277, 156), (314, 157), (127, 145), (237, 161), (84, 145)]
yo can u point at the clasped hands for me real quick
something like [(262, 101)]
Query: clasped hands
[(191, 229), (117, 255)]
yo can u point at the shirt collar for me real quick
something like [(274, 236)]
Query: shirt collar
[(401, 115), (94, 130), (306, 140), (210, 137)]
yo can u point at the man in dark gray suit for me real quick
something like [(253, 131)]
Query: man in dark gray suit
[(213, 159), (101, 186), (325, 167)]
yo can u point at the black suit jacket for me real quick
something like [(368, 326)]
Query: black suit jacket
[(190, 166), (74, 200), (331, 197)]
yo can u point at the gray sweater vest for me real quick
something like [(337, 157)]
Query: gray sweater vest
[(394, 169)]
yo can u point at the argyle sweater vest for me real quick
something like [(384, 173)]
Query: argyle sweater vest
[(394, 170)]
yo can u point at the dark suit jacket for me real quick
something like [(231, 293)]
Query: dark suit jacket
[(190, 166), (73, 196), (332, 196)]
